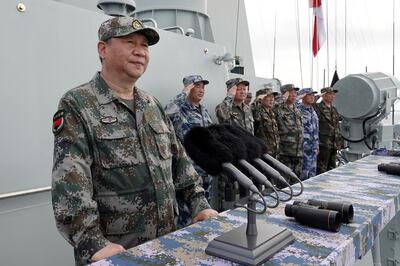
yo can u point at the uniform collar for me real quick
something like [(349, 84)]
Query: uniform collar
[(103, 92), (192, 106)]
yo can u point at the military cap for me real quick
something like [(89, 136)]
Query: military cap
[(288, 87), (236, 81), (191, 79), (123, 26), (306, 91), (328, 89), (261, 93)]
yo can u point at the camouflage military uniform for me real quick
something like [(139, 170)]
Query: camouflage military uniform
[(117, 173), (291, 136), (266, 128), (185, 116), (231, 113), (330, 136), (311, 141)]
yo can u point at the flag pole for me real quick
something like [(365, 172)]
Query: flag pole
[(273, 61), (336, 35), (311, 50), (345, 37), (394, 39), (327, 38), (298, 41)]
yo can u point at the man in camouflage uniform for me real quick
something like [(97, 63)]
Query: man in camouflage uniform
[(311, 131), (248, 98), (118, 166), (233, 110), (330, 134), (290, 126), (186, 112), (265, 126)]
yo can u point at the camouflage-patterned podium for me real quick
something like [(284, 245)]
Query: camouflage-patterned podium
[(374, 195)]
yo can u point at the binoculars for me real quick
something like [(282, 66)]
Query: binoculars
[(321, 214), (389, 168)]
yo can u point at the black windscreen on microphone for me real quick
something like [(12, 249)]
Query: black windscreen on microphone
[(255, 147), (206, 150), (213, 152)]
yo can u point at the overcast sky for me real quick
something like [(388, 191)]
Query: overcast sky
[(369, 39)]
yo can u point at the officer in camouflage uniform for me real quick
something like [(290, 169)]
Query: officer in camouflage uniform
[(233, 110), (311, 131), (265, 126), (330, 134), (118, 167), (186, 112), (248, 98), (290, 126)]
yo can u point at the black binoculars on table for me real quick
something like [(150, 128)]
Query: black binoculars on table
[(320, 214), (390, 168)]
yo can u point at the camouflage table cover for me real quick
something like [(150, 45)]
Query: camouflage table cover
[(374, 195)]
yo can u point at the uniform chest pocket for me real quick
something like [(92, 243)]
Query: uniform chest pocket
[(116, 147), (161, 136)]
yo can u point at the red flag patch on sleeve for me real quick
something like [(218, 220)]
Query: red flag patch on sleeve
[(58, 121)]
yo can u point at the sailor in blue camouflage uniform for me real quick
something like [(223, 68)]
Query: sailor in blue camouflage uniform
[(233, 109), (186, 112), (118, 167), (311, 132), (290, 125)]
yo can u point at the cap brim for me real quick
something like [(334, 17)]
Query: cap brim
[(245, 82), (151, 35), (261, 96), (204, 81), (332, 91)]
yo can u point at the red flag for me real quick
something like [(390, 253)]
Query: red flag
[(319, 34)]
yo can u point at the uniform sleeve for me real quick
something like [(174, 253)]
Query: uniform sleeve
[(188, 184), (223, 110), (173, 111), (75, 210), (257, 121), (175, 104), (317, 129)]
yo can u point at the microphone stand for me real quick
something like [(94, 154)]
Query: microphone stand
[(251, 243)]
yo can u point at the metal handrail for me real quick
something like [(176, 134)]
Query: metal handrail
[(150, 20), (24, 192), (175, 28)]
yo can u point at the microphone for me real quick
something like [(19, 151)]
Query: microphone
[(240, 177), (283, 169), (257, 149)]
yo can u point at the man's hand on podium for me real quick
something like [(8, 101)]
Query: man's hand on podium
[(204, 215)]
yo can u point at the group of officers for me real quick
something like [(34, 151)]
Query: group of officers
[(120, 173), (298, 131)]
